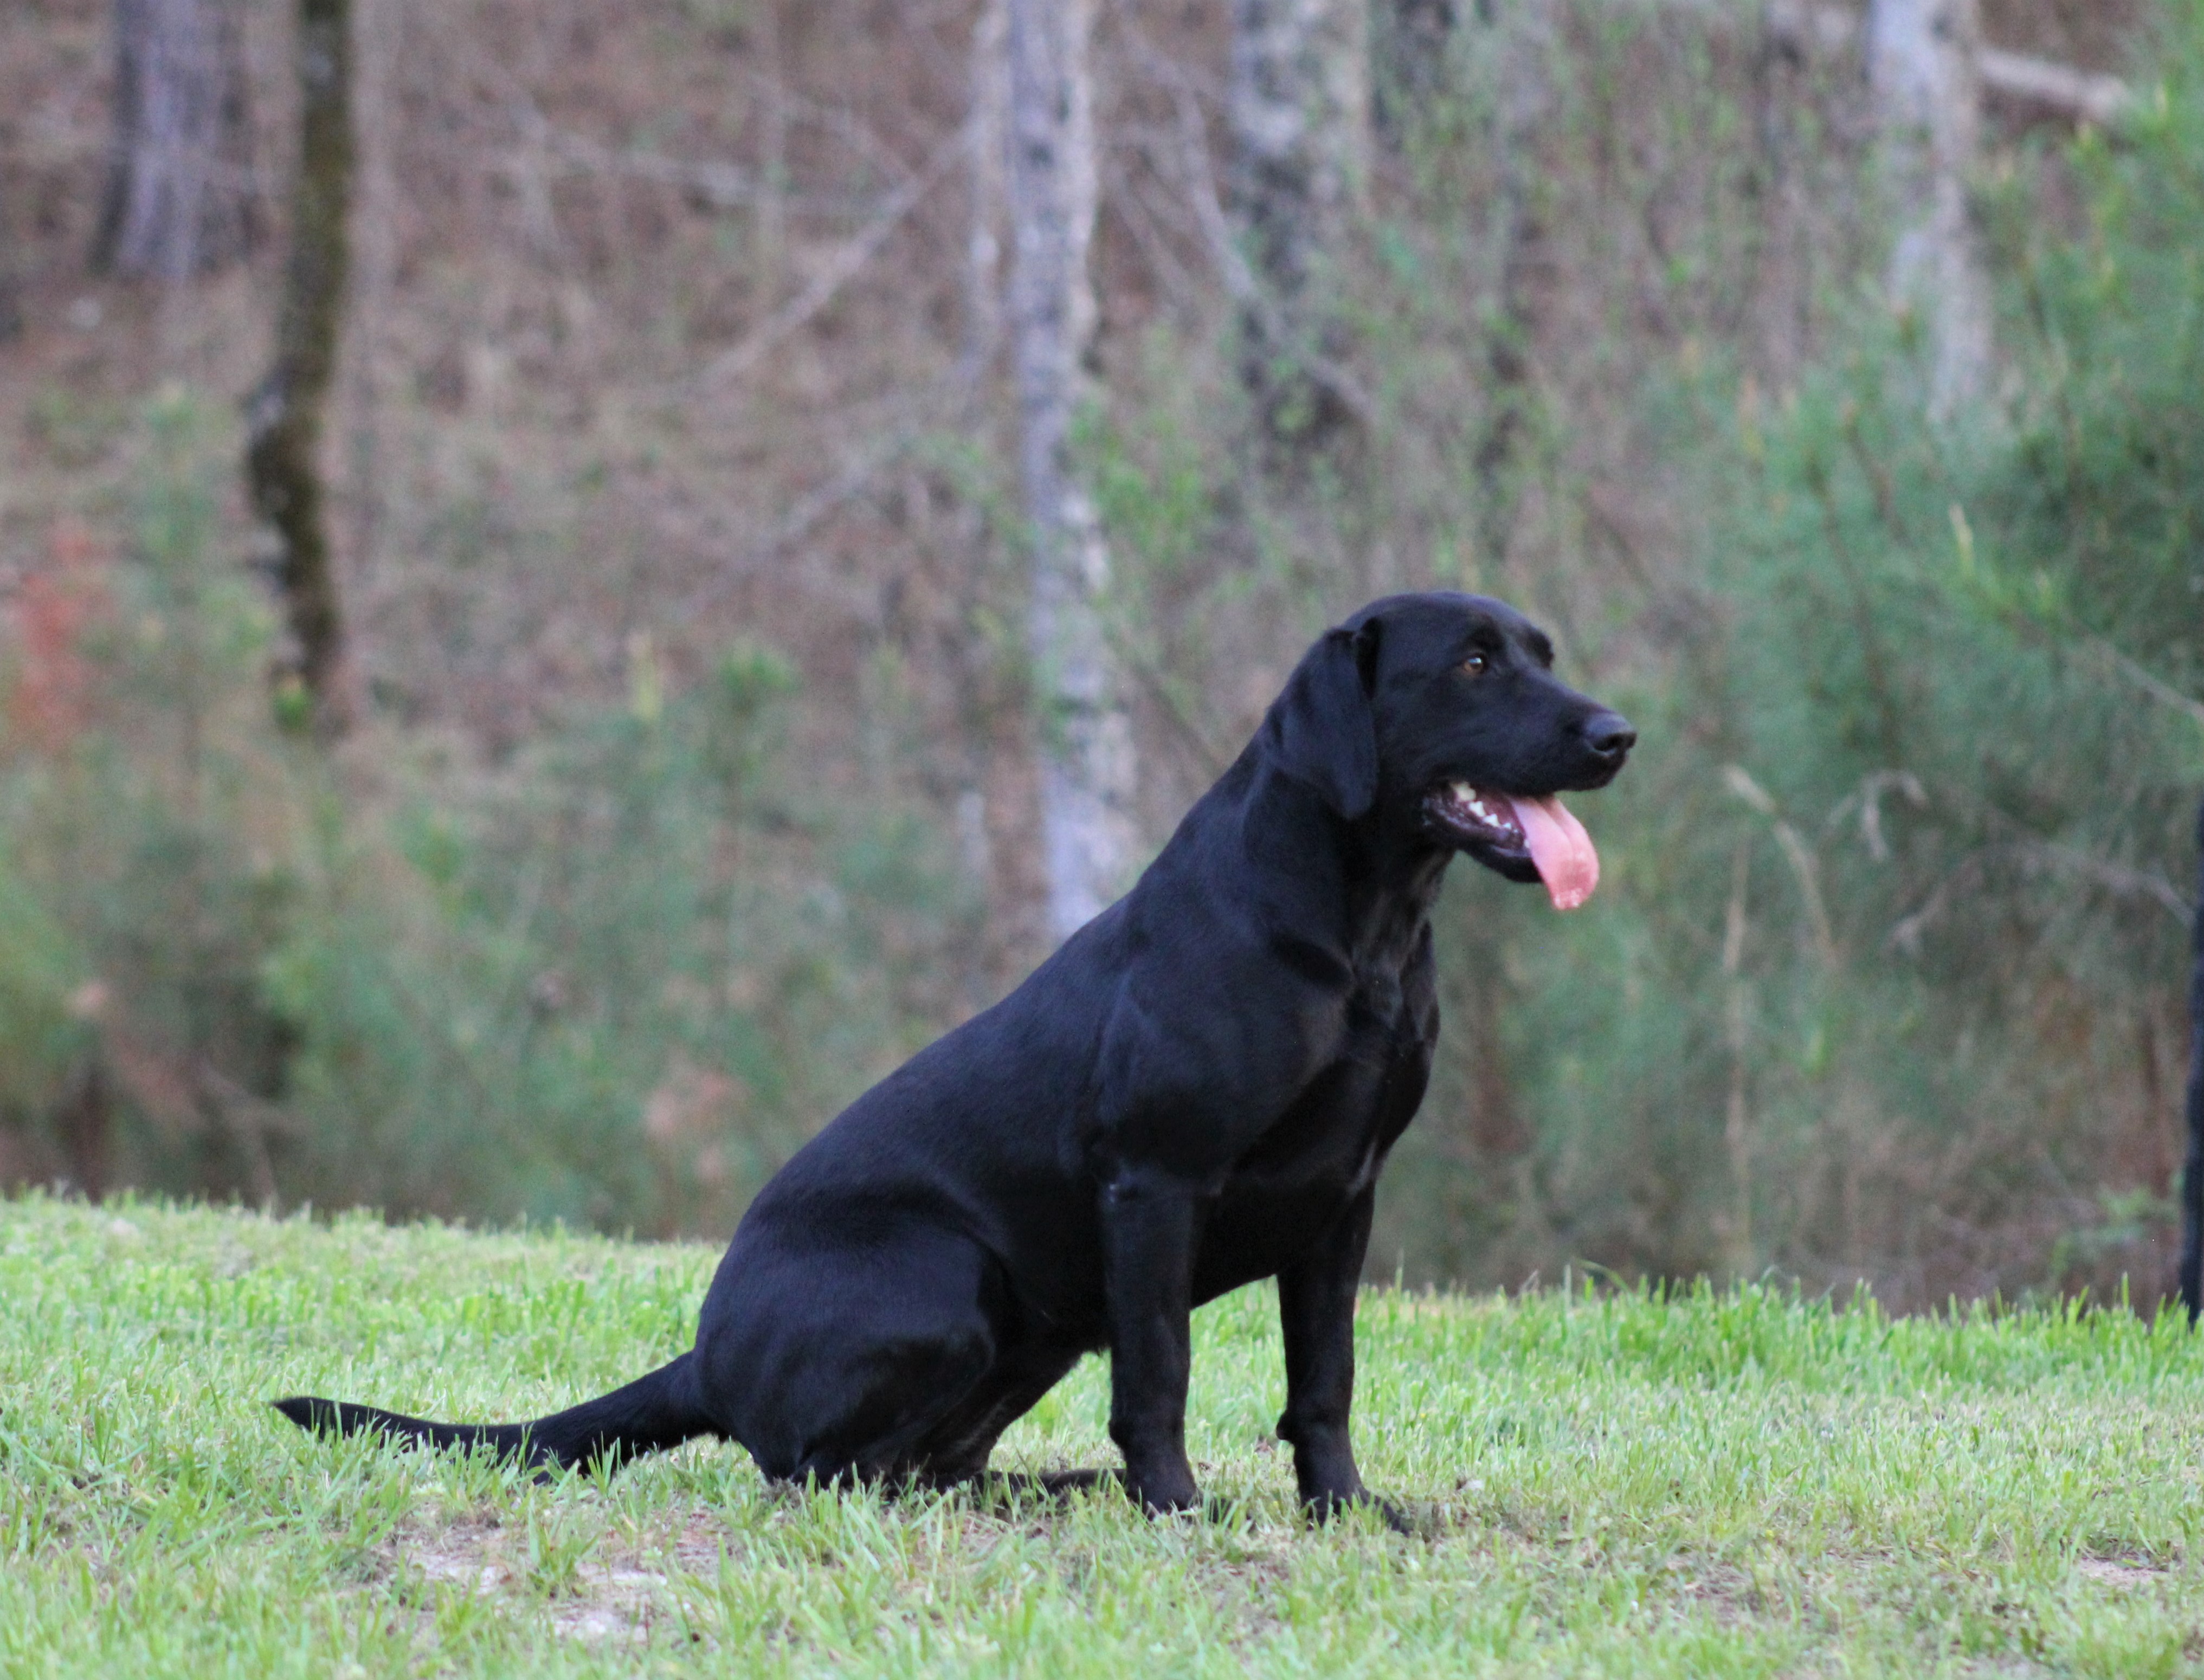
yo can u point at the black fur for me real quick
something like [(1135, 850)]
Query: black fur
[(1198, 1089)]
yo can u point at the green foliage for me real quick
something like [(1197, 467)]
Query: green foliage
[(40, 1037), (1903, 865), (1884, 978), (617, 980), (648, 967), (1707, 1482)]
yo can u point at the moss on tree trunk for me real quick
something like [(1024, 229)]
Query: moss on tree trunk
[(284, 415)]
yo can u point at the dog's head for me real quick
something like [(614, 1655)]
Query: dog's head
[(1440, 713)]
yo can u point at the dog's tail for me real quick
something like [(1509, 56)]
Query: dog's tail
[(661, 1410), (2192, 1174)]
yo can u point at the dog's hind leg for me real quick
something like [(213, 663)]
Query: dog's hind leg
[(844, 1363), (957, 1448)]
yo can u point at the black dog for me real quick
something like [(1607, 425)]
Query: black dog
[(1198, 1089)]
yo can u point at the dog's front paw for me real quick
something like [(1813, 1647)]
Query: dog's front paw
[(1322, 1507), (1163, 1490)]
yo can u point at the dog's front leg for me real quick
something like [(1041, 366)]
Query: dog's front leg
[(1316, 1310), (1148, 1232)]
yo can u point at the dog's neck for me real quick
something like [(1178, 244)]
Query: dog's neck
[(1369, 881), (1393, 878)]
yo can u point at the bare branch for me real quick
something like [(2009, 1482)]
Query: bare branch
[(2035, 854), (835, 118), (712, 182), (1805, 867), (2156, 686), (1143, 221), (2113, 877), (2078, 95), (837, 272), (1199, 182)]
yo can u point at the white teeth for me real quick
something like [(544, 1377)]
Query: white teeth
[(1470, 800), (1471, 803)]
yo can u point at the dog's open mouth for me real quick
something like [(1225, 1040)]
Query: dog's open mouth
[(1520, 829)]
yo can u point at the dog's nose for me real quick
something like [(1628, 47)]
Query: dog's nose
[(1610, 736)]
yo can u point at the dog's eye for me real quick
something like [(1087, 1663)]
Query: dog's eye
[(1475, 664)]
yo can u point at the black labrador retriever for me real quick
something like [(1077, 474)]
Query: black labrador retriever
[(1196, 1090)]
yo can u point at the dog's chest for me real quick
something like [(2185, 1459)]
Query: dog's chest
[(1377, 1002), (1322, 1151), (1327, 1133)]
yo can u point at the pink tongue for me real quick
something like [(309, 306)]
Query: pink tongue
[(1561, 849)]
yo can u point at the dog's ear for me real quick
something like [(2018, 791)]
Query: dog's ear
[(1322, 728)]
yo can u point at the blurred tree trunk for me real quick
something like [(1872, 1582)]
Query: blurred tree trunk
[(1922, 65), (1518, 45), (1300, 110), (1007, 774), (283, 416), (1086, 746), (1408, 61), (11, 278), (87, 1131), (2191, 1273), (990, 122), (181, 200)]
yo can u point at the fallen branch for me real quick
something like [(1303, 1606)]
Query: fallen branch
[(2078, 95)]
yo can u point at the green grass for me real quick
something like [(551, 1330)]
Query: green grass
[(1722, 1484)]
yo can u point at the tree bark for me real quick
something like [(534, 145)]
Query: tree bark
[(11, 279), (990, 188), (88, 1128), (1087, 764), (1300, 111), (181, 199), (1524, 45), (1923, 66), (283, 416), (1409, 67), (1008, 780)]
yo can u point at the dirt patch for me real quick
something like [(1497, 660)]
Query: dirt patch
[(610, 1605), (2118, 1572), (462, 1556), (1724, 1590), (592, 1591)]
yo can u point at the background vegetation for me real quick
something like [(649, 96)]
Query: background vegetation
[(694, 787)]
